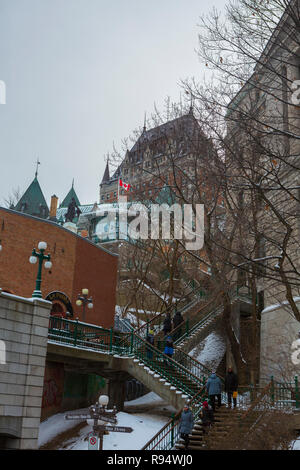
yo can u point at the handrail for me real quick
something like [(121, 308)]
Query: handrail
[(257, 400), (171, 422), (193, 359), (146, 324), (168, 359)]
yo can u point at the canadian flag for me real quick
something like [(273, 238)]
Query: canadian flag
[(126, 186)]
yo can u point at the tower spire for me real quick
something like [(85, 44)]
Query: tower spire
[(144, 128), (37, 165)]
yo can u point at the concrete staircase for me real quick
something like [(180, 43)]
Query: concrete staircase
[(226, 419)]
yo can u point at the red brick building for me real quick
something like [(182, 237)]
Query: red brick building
[(76, 264)]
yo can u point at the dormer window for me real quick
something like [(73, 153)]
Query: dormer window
[(23, 207)]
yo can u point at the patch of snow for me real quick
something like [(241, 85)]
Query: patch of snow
[(55, 425), (144, 427), (212, 352), (272, 307)]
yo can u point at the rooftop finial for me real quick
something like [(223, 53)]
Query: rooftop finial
[(144, 128), (73, 183), (192, 104), (37, 164)]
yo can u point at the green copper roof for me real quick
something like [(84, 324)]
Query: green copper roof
[(33, 202), (68, 198)]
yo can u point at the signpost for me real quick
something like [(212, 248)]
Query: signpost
[(99, 414)]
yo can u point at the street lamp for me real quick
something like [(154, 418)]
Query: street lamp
[(83, 299), (41, 257)]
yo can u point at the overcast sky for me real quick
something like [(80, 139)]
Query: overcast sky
[(79, 75)]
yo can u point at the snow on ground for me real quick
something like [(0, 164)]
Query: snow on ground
[(144, 428), (150, 398), (296, 445), (145, 425), (56, 424), (210, 351)]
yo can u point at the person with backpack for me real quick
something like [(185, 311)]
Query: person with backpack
[(186, 424), (231, 386), (169, 348), (214, 388), (207, 416)]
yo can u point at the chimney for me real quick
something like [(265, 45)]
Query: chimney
[(53, 207)]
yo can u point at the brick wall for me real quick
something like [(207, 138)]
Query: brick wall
[(76, 264)]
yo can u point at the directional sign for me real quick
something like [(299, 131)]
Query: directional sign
[(99, 417), (79, 416), (113, 428), (106, 418)]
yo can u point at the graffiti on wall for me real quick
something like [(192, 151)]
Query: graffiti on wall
[(50, 394)]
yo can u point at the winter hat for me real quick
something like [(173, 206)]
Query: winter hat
[(151, 332), (186, 405), (205, 404)]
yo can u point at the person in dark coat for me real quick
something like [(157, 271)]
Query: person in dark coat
[(214, 388), (207, 416), (231, 385), (186, 424), (177, 320), (167, 327)]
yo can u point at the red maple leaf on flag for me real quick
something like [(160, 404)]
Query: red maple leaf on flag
[(126, 186)]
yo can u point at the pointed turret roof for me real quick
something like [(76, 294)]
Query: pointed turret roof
[(106, 177), (71, 194), (33, 202)]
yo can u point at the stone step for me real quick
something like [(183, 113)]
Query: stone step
[(190, 447)]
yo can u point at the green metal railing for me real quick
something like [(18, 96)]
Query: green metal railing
[(167, 368), (84, 335), (168, 435), (285, 395)]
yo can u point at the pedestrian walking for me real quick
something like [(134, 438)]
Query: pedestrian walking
[(231, 386), (169, 348), (214, 389), (150, 339), (167, 326), (177, 321), (186, 424), (207, 416)]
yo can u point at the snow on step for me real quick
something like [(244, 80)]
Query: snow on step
[(135, 360), (156, 375), (172, 388), (167, 384)]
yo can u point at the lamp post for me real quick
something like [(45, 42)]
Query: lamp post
[(84, 299), (41, 257)]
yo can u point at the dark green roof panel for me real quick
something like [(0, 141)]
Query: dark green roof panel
[(33, 202)]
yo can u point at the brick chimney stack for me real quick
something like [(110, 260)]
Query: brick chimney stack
[(53, 207)]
